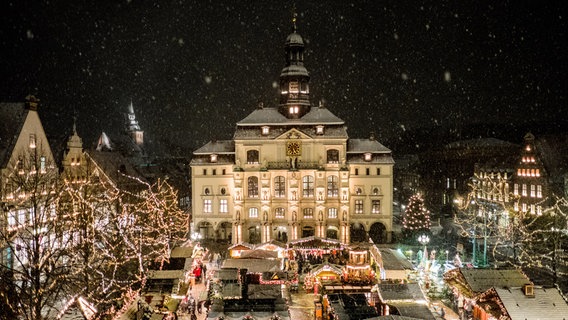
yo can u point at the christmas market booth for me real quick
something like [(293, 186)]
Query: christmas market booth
[(236, 250), (358, 269), (273, 246)]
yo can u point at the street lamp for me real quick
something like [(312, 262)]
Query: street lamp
[(424, 240)]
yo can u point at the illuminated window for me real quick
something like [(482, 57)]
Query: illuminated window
[(279, 213), (332, 156), (213, 158), (12, 218), (319, 130), (308, 186), (524, 207), (516, 206), (539, 210), (294, 110), (252, 157), (359, 206), (207, 208), (368, 156), (539, 191), (42, 166), (524, 190), (265, 130), (253, 212), (32, 141), (332, 213), (533, 191), (516, 189), (376, 206), (332, 187), (538, 172), (294, 87), (253, 187), (533, 209), (308, 213), (223, 206), (279, 187)]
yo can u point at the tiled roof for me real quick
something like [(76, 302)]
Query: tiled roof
[(271, 116), (244, 133), (366, 145), (115, 166), (216, 147)]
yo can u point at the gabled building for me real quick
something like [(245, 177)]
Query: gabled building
[(27, 172), (291, 171)]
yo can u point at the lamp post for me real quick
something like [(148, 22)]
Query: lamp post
[(424, 239)]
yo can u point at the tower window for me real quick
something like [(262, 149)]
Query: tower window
[(294, 110)]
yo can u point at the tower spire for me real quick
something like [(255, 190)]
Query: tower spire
[(294, 78)]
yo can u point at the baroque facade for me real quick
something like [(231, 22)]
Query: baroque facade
[(292, 172)]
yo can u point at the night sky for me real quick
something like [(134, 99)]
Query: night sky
[(415, 72)]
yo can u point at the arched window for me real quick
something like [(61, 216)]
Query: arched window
[(308, 213), (332, 156), (308, 186), (332, 187), (253, 187), (279, 187), (252, 157)]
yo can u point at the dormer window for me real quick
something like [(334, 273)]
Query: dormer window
[(265, 130), (213, 158), (294, 110), (319, 129), (368, 156)]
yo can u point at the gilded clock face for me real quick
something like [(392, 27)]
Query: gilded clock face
[(293, 148)]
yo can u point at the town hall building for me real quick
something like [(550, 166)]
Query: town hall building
[(292, 172)]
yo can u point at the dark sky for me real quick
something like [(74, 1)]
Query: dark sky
[(402, 68)]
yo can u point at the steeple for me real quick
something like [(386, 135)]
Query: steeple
[(132, 126), (294, 78)]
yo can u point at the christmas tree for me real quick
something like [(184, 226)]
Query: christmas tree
[(416, 217)]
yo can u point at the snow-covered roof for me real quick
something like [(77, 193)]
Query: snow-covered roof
[(271, 116), (12, 117), (294, 70), (390, 292), (217, 147), (480, 280), (366, 145), (547, 303), (254, 133)]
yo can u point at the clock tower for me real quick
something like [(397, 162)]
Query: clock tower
[(294, 78)]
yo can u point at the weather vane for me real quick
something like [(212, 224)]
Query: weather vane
[(294, 16)]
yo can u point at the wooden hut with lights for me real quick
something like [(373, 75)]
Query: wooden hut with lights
[(358, 269), (236, 250)]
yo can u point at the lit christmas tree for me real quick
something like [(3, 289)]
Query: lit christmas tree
[(416, 216)]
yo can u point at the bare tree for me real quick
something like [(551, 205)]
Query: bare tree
[(34, 272)]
